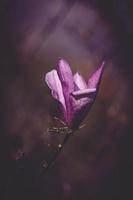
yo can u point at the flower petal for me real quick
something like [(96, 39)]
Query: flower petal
[(79, 81), (65, 75), (66, 78), (82, 102), (83, 93), (53, 82), (81, 109), (94, 81)]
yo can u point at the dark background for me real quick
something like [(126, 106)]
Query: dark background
[(97, 162)]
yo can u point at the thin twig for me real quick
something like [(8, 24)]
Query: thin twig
[(59, 149)]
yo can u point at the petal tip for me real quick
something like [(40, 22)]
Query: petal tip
[(61, 60), (102, 66), (95, 79)]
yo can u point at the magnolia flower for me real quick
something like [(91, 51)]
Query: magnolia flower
[(75, 95)]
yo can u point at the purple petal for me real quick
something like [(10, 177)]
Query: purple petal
[(82, 98), (81, 109), (66, 78), (94, 81), (79, 81), (53, 82), (65, 75), (84, 92), (82, 101)]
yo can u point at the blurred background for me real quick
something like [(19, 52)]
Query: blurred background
[(97, 161)]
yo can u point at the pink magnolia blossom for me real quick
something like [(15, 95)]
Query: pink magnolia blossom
[(75, 95)]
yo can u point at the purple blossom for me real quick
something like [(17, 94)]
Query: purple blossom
[(75, 95)]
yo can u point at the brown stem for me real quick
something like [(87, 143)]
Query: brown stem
[(59, 149)]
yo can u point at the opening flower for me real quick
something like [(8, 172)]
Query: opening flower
[(75, 95)]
